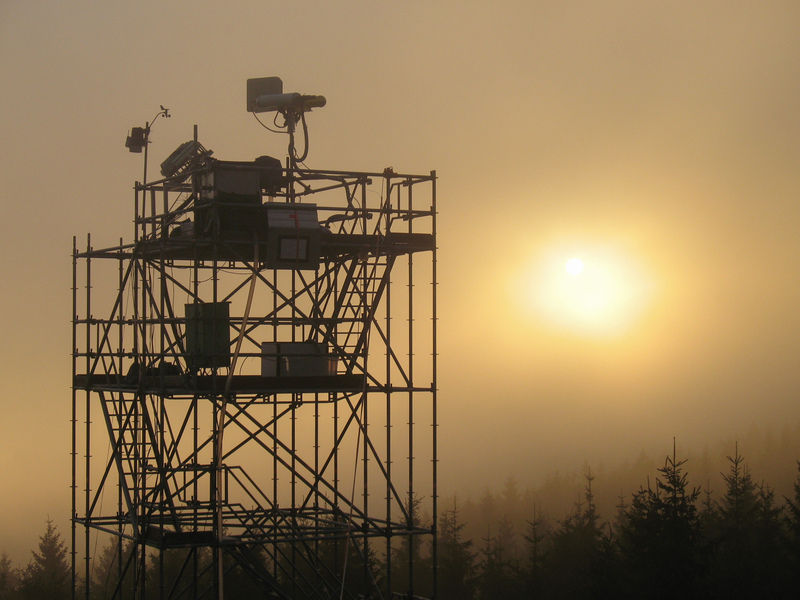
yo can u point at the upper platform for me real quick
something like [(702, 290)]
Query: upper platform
[(232, 211), (331, 246)]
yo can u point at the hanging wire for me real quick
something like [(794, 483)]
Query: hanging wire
[(300, 159), (267, 127), (352, 501), (97, 533), (178, 198)]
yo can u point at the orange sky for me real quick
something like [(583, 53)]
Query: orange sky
[(667, 132)]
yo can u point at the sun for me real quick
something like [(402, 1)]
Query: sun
[(574, 266), (595, 291)]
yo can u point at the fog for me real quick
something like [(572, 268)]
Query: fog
[(664, 134)]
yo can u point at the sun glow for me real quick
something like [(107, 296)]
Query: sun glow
[(574, 266), (595, 291)]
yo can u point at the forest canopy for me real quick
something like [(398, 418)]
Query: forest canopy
[(665, 539)]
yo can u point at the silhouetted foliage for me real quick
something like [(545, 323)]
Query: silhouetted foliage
[(793, 532), (407, 556), (107, 569), (456, 560), (660, 541), (499, 575), (771, 547), (337, 566), (669, 541), (9, 578), (579, 552), (745, 537), (245, 572), (48, 574), (535, 543), (168, 573)]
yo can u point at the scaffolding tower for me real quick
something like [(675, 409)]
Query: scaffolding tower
[(254, 387)]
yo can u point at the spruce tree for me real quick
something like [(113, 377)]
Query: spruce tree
[(499, 572), (536, 546), (660, 539), (773, 565), (456, 560), (9, 578), (48, 574), (745, 537), (793, 531), (408, 552), (576, 564)]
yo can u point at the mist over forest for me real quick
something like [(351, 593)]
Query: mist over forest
[(532, 539)]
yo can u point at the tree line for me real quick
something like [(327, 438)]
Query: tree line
[(668, 539)]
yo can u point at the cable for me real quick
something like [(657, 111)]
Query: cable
[(352, 501), (267, 127), (97, 534), (300, 159), (178, 198)]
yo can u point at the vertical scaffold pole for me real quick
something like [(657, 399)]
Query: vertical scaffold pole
[(411, 500), (388, 383), (119, 397), (74, 420), (434, 396), (88, 349)]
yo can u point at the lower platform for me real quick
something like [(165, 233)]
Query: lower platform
[(215, 384)]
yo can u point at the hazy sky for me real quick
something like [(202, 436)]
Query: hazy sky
[(658, 141)]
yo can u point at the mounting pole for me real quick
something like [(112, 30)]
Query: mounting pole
[(139, 138)]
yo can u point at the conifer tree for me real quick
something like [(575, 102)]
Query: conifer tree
[(333, 566), (576, 563), (708, 511), (730, 530), (456, 560), (240, 581), (487, 507), (499, 572), (106, 570), (408, 552), (745, 537), (9, 578), (48, 574), (773, 565), (536, 539), (511, 502), (660, 540), (793, 530)]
